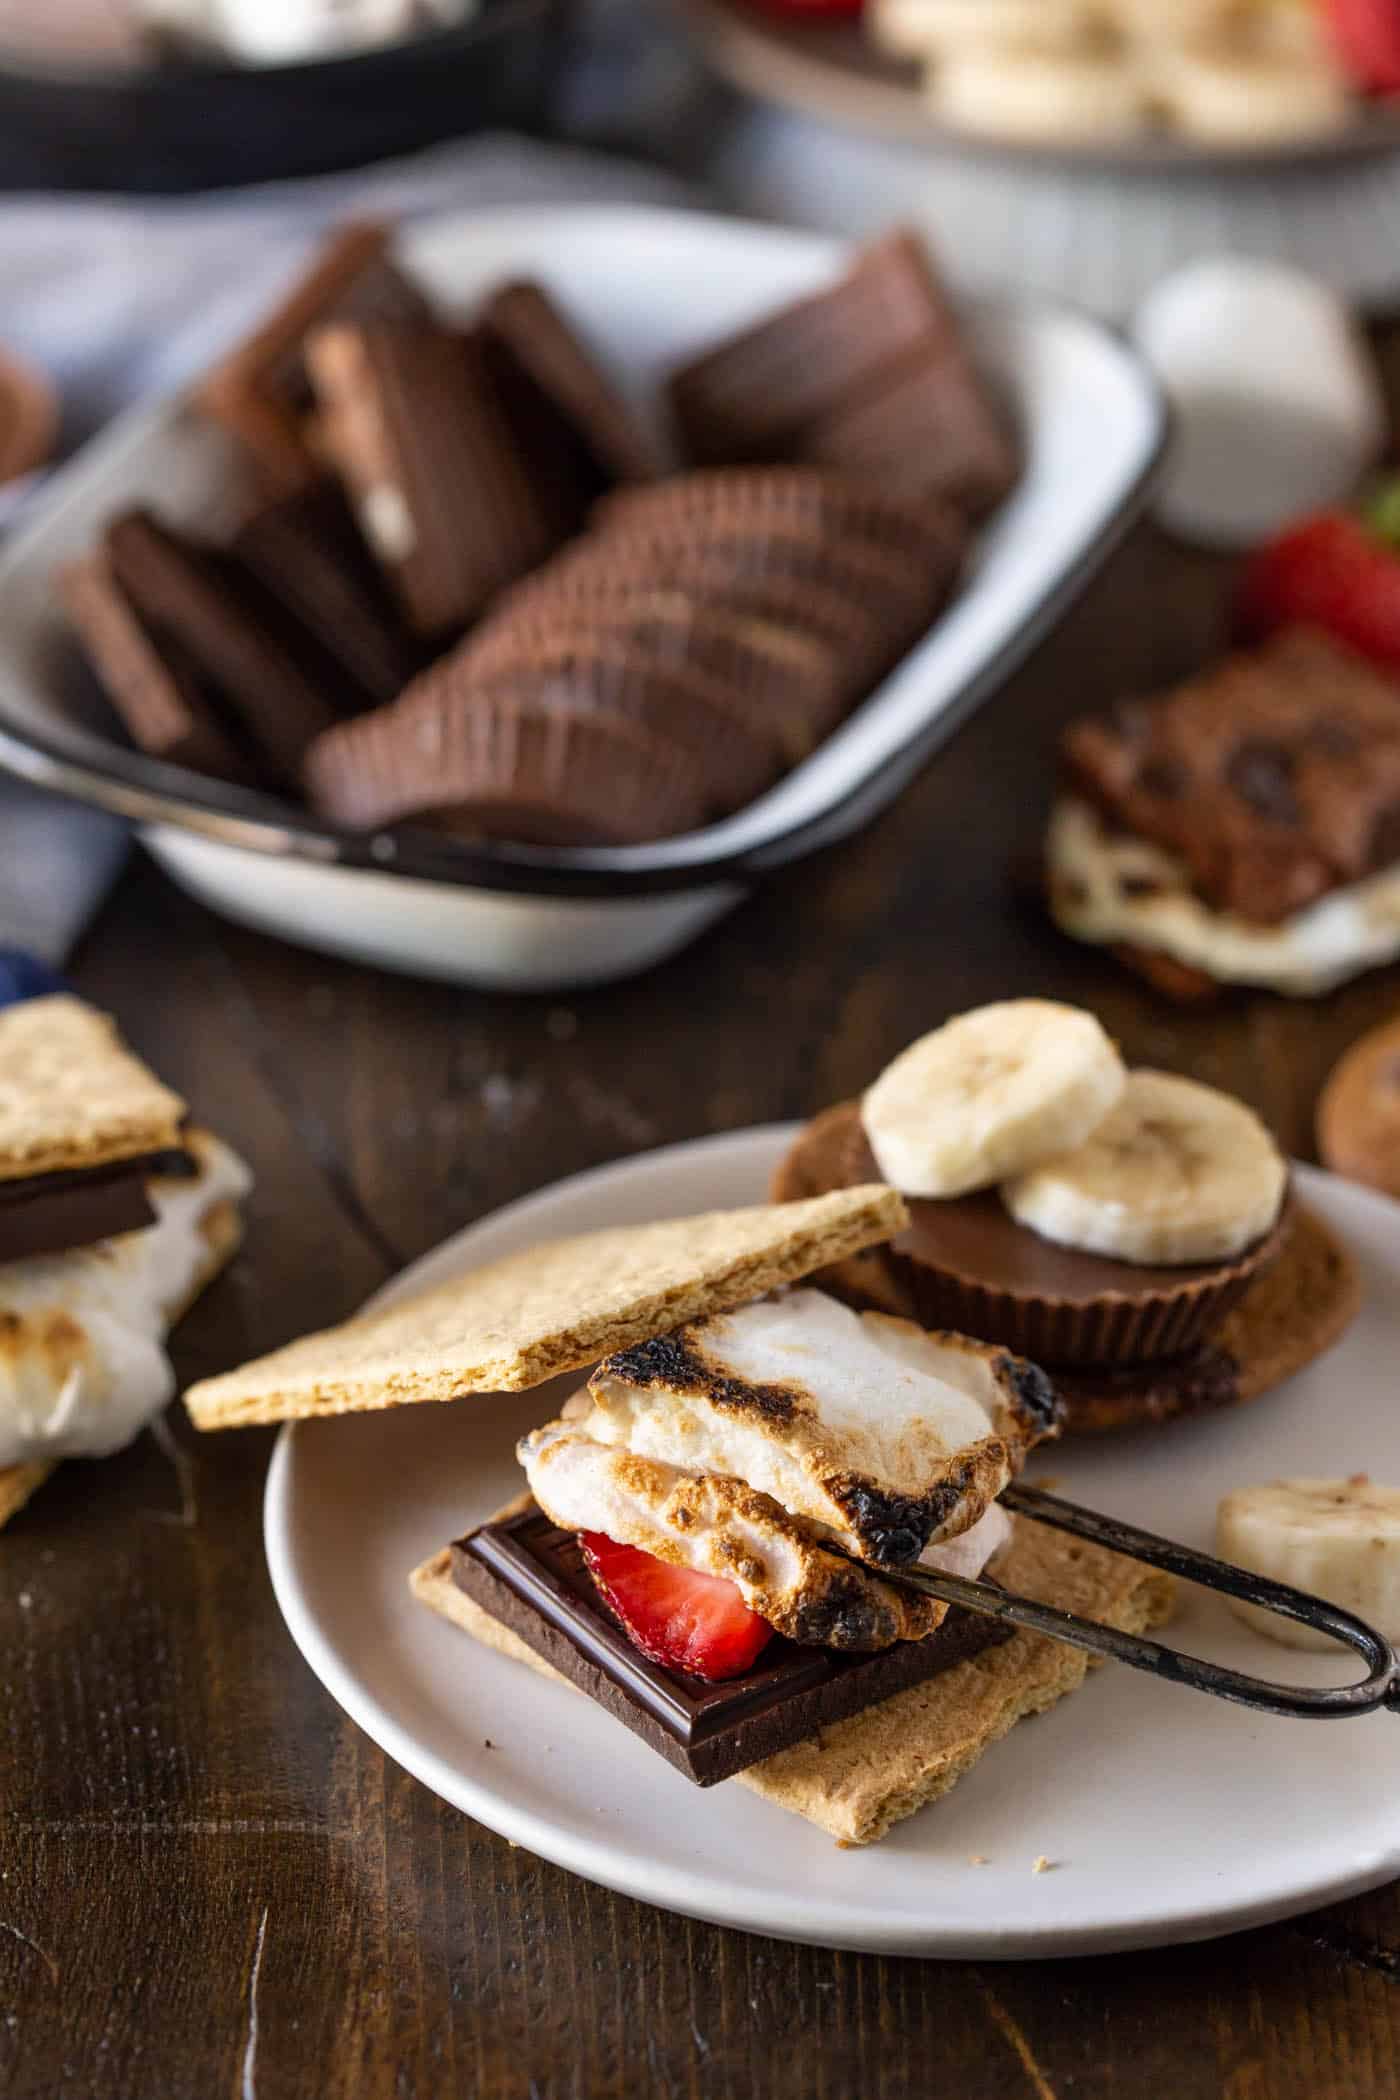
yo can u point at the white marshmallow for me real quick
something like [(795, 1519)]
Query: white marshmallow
[(824, 1410), (86, 1368), (1277, 404), (1097, 879)]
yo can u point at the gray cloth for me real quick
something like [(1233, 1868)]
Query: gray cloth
[(119, 298)]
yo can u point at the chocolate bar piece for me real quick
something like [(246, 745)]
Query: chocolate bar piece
[(305, 554), (76, 1207), (531, 1576), (1275, 776), (261, 391), (414, 422), (563, 398), (156, 691), (191, 594)]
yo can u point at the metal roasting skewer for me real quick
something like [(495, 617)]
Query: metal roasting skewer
[(1380, 1687)]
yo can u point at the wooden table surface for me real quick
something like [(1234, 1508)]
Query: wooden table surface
[(210, 1882)]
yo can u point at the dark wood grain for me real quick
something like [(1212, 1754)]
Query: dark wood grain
[(185, 1811)]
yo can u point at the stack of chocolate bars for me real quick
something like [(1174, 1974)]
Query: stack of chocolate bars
[(471, 595)]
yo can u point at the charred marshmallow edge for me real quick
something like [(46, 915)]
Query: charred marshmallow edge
[(722, 1527), (885, 1437), (750, 1445)]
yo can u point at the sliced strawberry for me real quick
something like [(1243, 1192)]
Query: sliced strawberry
[(684, 1621), (1331, 571)]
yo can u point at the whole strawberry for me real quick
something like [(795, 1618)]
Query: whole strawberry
[(1366, 37), (1332, 571)]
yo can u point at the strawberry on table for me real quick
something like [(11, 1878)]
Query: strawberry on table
[(678, 1618), (1335, 572)]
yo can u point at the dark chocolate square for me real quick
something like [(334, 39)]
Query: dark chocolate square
[(531, 1577)]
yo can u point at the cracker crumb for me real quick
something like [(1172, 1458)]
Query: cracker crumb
[(1042, 1865), (978, 1859)]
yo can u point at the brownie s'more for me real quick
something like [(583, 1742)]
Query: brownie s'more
[(1243, 828), (114, 1214), (715, 1525)]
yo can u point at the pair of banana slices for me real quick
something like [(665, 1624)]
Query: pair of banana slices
[(1032, 1097), (1224, 72)]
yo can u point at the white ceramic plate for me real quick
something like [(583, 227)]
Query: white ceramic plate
[(1168, 1816)]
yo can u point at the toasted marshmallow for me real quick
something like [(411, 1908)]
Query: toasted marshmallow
[(83, 1366), (1108, 887), (718, 1526), (885, 1436)]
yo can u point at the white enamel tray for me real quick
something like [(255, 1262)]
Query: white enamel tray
[(648, 287), (1168, 1816)]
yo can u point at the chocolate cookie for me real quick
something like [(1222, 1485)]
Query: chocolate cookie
[(163, 704), (261, 391), (414, 423), (192, 595)]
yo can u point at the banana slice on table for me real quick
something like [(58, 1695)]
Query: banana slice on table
[(1227, 96), (1338, 1538), (1175, 1172), (1043, 97), (925, 28), (989, 1093)]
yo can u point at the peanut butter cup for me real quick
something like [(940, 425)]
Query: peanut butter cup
[(966, 1264), (1288, 1310)]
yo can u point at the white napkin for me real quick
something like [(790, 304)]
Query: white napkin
[(119, 298)]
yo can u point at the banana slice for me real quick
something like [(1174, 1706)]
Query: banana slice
[(1226, 96), (1175, 1172), (944, 28), (1079, 97), (988, 1094), (1338, 1538)]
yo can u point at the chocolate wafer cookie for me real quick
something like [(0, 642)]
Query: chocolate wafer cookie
[(494, 768), (161, 700), (261, 391), (189, 594), (304, 552), (752, 396), (567, 388), (415, 425)]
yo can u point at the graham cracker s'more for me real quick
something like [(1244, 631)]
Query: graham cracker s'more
[(114, 1215), (716, 1525)]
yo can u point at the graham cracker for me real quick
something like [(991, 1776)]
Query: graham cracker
[(548, 1309), (860, 1777), (222, 1227), (1296, 1308), (72, 1095)]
